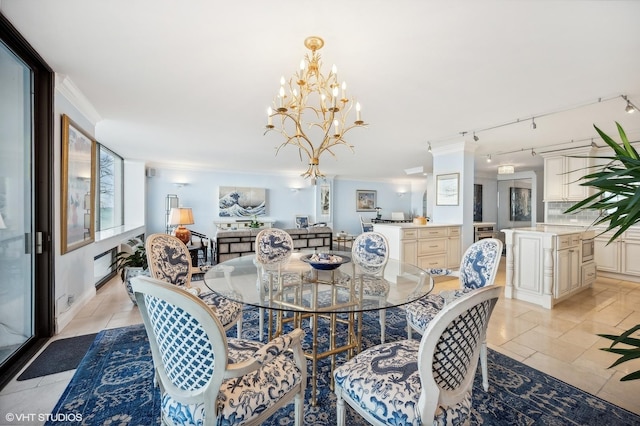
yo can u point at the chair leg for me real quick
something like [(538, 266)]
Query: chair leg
[(383, 320), (261, 323), (299, 409), (239, 326), (409, 331), (483, 364), (340, 410)]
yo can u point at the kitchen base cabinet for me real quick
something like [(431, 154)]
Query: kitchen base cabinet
[(544, 265), (621, 258), (427, 246)]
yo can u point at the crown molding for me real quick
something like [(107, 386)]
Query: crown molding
[(69, 90)]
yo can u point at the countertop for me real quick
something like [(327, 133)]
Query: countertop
[(412, 225), (555, 230)]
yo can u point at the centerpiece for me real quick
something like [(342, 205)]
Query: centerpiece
[(325, 261)]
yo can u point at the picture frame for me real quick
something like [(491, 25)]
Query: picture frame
[(235, 201), (325, 200), (78, 175), (519, 204), (366, 200), (477, 202), (447, 189), (302, 222)]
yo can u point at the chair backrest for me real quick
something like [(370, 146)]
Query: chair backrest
[(480, 262), (273, 246), (366, 224), (370, 252), (449, 352), (169, 259), (188, 343)]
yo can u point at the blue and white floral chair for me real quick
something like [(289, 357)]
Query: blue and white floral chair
[(273, 248), (478, 269), (370, 254), (208, 379), (169, 261), (427, 382)]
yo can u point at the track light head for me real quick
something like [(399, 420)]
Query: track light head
[(475, 138), (488, 158), (533, 123), (533, 153), (630, 108), (428, 146)]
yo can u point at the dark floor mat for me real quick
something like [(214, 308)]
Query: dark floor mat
[(60, 355)]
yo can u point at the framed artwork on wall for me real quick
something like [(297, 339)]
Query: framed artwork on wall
[(519, 204), (78, 186), (477, 203), (325, 200), (447, 188), (236, 201), (365, 200)]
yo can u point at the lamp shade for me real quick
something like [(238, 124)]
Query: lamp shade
[(181, 216)]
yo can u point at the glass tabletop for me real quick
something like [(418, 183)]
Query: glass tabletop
[(299, 287)]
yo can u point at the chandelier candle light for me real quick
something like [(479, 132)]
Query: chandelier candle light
[(322, 101)]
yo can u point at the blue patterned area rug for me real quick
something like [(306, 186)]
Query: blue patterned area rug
[(114, 386)]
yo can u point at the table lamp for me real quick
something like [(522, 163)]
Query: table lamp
[(181, 216)]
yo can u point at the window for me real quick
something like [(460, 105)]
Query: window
[(110, 189)]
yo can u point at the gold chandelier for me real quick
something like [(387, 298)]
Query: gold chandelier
[(312, 107)]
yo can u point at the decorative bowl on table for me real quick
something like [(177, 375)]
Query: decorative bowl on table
[(325, 261)]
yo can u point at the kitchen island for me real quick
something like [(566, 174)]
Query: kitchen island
[(428, 246), (547, 264)]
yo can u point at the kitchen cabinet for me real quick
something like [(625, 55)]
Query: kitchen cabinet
[(427, 246), (544, 264), (568, 265), (561, 174), (619, 258)]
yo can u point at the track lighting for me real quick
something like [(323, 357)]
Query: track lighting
[(630, 108), (533, 123), (488, 158), (429, 147), (533, 153), (475, 138)]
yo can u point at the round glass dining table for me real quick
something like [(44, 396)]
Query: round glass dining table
[(330, 295)]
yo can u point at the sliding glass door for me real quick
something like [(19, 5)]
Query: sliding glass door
[(26, 144), (16, 241)]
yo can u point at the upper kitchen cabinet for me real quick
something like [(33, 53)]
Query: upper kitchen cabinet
[(562, 174)]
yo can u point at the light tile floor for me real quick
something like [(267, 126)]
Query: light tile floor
[(561, 342)]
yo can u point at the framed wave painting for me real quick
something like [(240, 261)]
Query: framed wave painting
[(234, 201)]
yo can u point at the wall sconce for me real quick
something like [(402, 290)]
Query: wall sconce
[(401, 194), (180, 184), (294, 190)]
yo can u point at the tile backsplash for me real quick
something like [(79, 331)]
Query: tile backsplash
[(555, 214)]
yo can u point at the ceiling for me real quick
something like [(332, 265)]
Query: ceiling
[(187, 83)]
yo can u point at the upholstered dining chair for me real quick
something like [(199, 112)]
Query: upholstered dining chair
[(366, 225), (169, 261), (207, 379), (370, 254), (273, 248), (420, 382), (478, 268)]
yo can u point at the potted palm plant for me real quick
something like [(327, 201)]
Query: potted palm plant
[(129, 265), (618, 200)]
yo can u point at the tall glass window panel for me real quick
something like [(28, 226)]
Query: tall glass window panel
[(16, 204), (110, 188)]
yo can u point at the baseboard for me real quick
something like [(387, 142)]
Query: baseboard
[(65, 317)]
